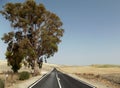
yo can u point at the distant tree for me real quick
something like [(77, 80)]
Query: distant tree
[(37, 32)]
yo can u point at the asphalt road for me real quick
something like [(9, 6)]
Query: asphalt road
[(57, 79)]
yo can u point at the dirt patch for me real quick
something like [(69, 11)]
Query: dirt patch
[(12, 80), (112, 77), (104, 80)]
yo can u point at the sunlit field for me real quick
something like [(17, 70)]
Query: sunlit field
[(99, 75)]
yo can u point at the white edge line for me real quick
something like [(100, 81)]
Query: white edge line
[(79, 80), (82, 81), (58, 80), (40, 79)]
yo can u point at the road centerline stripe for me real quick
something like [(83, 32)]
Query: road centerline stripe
[(58, 80)]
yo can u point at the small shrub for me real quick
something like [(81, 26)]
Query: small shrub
[(24, 75), (97, 76), (2, 84)]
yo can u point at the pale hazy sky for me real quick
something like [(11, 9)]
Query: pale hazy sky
[(92, 31)]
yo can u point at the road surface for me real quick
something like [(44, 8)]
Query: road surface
[(57, 79)]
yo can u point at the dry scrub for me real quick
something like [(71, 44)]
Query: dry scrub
[(12, 80), (101, 76)]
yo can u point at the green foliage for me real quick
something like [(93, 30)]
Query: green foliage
[(37, 33), (14, 58), (8, 37), (24, 75), (2, 84)]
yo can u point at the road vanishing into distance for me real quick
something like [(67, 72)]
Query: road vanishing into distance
[(57, 79)]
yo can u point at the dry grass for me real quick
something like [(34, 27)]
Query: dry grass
[(102, 76), (112, 77), (90, 69), (12, 81), (108, 75), (105, 66)]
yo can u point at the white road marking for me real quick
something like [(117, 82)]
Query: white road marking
[(58, 79), (40, 79), (79, 80)]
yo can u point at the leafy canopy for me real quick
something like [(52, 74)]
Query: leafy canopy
[(37, 31)]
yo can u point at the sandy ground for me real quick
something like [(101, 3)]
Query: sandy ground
[(88, 74), (26, 83), (15, 83)]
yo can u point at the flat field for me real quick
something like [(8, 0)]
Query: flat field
[(101, 76)]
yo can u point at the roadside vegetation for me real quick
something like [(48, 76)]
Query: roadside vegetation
[(104, 65), (2, 84), (24, 75), (36, 35)]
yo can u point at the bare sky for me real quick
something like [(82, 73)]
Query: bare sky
[(92, 31)]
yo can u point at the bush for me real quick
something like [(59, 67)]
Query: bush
[(2, 84), (24, 75)]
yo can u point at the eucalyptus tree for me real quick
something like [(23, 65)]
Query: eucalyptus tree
[(18, 48), (40, 30)]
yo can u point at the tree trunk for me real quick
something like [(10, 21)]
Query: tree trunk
[(37, 71)]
